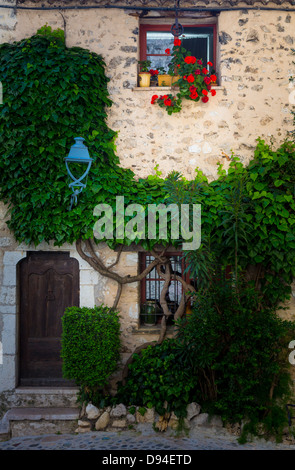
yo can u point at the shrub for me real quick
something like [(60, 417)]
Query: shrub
[(238, 349), (90, 345), (156, 376)]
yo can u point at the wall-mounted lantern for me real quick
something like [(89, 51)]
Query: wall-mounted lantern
[(78, 154), (177, 28)]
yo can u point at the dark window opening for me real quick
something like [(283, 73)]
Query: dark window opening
[(200, 40), (151, 311)]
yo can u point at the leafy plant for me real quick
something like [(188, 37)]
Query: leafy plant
[(194, 82), (237, 349), (144, 65), (90, 346), (157, 376)]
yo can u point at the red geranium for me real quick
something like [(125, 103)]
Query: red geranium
[(167, 51), (190, 78), (194, 95), (205, 92), (205, 99), (213, 92), (213, 78), (154, 98), (190, 59), (153, 72), (167, 102), (207, 80), (209, 63), (205, 71), (177, 42), (192, 89), (200, 62), (197, 72)]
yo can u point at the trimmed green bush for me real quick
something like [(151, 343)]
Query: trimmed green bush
[(90, 345)]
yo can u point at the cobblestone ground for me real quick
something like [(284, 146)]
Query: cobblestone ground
[(132, 441)]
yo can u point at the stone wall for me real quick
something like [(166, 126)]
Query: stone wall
[(254, 65)]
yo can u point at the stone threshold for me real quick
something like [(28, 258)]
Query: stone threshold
[(46, 390), (26, 414)]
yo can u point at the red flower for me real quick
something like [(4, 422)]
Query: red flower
[(192, 89), (213, 92), (209, 63), (190, 59), (190, 78), (205, 99), (207, 80), (167, 51), (153, 72), (167, 102), (205, 92), (194, 96), (213, 78), (205, 71), (197, 72), (177, 42), (154, 98), (200, 62)]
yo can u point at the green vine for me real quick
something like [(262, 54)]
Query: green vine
[(52, 94)]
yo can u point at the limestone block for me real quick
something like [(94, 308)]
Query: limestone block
[(92, 412), (87, 296), (9, 275), (118, 411), (7, 295), (119, 423), (130, 418), (193, 409), (148, 417), (9, 338), (102, 421)]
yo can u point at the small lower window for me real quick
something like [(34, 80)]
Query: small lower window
[(151, 287)]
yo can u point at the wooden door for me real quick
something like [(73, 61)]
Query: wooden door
[(49, 282)]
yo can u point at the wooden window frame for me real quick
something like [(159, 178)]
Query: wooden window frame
[(164, 27)]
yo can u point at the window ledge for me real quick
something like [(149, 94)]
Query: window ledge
[(153, 329), (168, 88)]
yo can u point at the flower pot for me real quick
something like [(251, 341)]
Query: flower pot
[(164, 80), (144, 79), (175, 80)]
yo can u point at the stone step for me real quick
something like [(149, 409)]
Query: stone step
[(25, 421), (46, 397)]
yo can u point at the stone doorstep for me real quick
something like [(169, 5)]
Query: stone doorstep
[(36, 414)]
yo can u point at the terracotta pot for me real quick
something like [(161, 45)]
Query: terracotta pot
[(164, 80), (144, 79)]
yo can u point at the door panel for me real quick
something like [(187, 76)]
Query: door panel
[(49, 282)]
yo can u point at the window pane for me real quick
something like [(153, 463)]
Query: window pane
[(197, 40), (158, 41)]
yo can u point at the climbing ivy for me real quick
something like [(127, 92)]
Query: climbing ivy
[(52, 94)]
